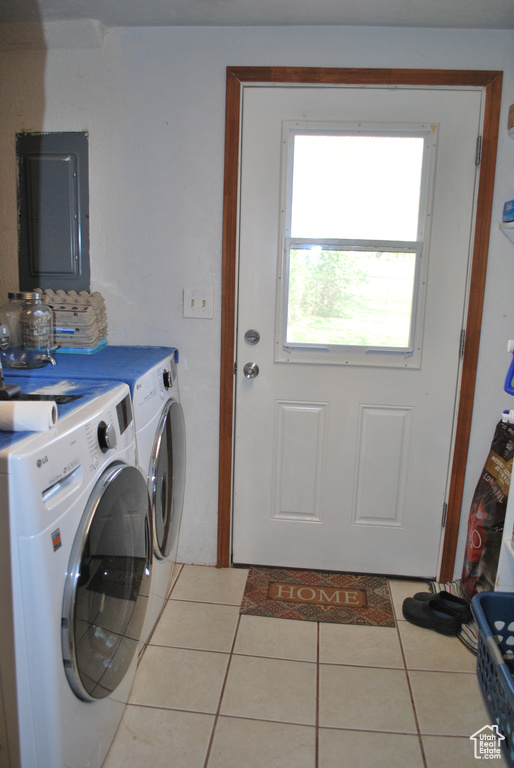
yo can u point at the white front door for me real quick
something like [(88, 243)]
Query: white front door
[(343, 445)]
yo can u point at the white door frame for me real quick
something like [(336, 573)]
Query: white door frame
[(237, 77)]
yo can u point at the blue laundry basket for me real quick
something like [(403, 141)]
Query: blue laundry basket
[(494, 614)]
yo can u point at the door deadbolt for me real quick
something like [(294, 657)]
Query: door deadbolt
[(252, 336), (251, 370)]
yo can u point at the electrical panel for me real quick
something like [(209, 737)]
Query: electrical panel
[(53, 210)]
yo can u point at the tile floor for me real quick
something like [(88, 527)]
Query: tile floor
[(216, 690)]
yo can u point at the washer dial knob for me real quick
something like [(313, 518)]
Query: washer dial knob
[(106, 436), (167, 378)]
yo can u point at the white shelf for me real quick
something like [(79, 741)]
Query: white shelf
[(507, 227)]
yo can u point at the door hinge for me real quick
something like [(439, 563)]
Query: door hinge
[(445, 512), (478, 153), (462, 344), (235, 368)]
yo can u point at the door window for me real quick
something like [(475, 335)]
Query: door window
[(354, 225)]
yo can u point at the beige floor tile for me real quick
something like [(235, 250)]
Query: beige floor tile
[(269, 703), (202, 626), (277, 638), (206, 584), (271, 689), (363, 749), (242, 743), (365, 698), (160, 738), (401, 589), (448, 703), (368, 646), (180, 679), (429, 650), (447, 752), (175, 574)]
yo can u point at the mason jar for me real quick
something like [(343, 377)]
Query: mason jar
[(36, 329), (11, 350)]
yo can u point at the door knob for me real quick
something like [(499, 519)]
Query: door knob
[(251, 370)]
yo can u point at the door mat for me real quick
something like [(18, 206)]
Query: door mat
[(469, 632), (336, 598)]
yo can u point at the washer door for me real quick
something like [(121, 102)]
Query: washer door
[(166, 478), (107, 583)]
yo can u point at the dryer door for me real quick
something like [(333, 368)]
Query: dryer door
[(107, 583), (166, 479)]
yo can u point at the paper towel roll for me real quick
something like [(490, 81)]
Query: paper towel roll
[(27, 415)]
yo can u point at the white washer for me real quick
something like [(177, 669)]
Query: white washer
[(75, 565), (151, 373)]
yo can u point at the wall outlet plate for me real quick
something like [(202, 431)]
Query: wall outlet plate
[(198, 302)]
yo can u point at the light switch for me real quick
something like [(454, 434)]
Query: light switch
[(198, 302)]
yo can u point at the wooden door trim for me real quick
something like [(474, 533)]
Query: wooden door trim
[(237, 77)]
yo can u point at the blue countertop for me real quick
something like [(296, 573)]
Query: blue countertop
[(83, 391), (123, 363)]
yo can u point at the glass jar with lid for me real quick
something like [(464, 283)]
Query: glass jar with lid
[(30, 323), (11, 350)]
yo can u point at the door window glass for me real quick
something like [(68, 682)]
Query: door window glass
[(354, 186), (350, 297), (354, 226)]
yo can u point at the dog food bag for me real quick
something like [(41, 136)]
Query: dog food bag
[(487, 515)]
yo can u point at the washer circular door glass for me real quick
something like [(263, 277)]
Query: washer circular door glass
[(107, 583), (166, 478)]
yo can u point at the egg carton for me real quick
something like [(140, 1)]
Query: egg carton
[(80, 319), (80, 316), (77, 337), (74, 299)]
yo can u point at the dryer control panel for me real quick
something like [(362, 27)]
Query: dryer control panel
[(157, 384)]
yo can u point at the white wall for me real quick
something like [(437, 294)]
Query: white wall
[(153, 103)]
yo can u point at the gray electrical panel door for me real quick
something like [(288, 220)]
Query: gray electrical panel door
[(53, 206)]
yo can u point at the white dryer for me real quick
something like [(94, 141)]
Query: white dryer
[(75, 569), (162, 454), (151, 373)]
